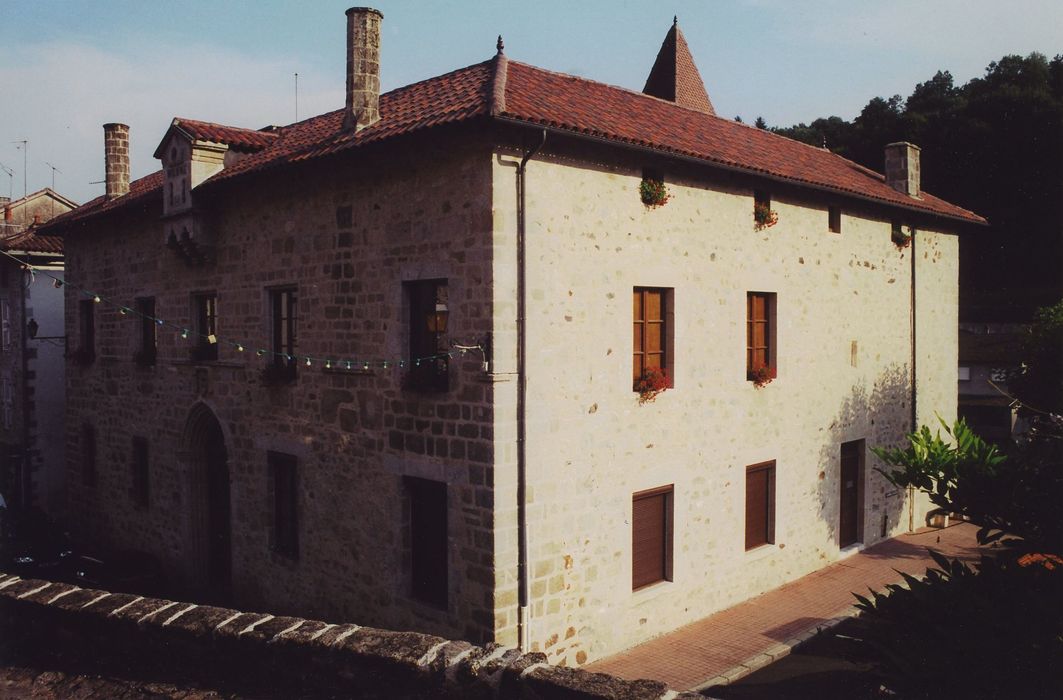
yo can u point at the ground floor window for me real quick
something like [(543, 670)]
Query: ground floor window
[(427, 521), (760, 504), (651, 537)]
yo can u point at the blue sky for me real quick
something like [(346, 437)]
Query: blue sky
[(67, 67)]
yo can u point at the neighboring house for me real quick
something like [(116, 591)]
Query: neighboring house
[(987, 353), (380, 363), (32, 366)]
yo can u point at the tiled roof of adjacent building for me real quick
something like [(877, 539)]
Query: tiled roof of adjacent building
[(236, 138), (32, 242), (521, 93)]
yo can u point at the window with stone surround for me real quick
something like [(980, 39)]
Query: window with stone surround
[(88, 454), (428, 367), (760, 504), (205, 325), (651, 536), (283, 326), (147, 345), (282, 475), (760, 333), (141, 486), (427, 540), (652, 332)]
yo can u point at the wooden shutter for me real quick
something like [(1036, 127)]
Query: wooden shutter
[(760, 504), (649, 333), (428, 541), (758, 332), (650, 537)]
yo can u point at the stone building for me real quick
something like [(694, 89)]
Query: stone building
[(32, 464), (380, 365)]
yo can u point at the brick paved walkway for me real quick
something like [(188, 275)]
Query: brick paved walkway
[(737, 641)]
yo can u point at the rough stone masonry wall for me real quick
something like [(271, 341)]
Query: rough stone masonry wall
[(346, 234), (267, 656), (591, 445)]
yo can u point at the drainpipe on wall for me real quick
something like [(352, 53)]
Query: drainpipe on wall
[(522, 384), (915, 417)]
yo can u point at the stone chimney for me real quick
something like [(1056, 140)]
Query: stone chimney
[(116, 159), (902, 167), (363, 68)]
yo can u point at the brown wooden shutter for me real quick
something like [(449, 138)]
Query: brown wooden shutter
[(650, 537), (649, 333), (758, 333), (760, 504)]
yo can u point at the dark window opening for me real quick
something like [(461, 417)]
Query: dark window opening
[(834, 219), (141, 488), (285, 497), (344, 217), (651, 537), (149, 334), (283, 318), (429, 314), (205, 318), (428, 540), (760, 505), (88, 455)]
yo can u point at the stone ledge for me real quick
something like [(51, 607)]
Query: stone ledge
[(281, 653)]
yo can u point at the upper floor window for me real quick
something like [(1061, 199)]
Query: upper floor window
[(763, 215), (147, 343), (760, 336), (834, 219), (283, 330), (651, 333), (429, 315), (205, 324)]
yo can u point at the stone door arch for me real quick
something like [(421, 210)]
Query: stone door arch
[(211, 505)]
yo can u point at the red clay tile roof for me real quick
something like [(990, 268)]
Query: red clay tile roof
[(32, 242), (674, 77), (562, 102), (237, 138)]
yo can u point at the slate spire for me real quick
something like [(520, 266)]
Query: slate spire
[(675, 77)]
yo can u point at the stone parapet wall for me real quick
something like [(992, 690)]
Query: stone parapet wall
[(278, 656)]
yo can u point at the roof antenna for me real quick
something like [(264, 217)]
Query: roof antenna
[(499, 45), (675, 20), (296, 97), (824, 142)]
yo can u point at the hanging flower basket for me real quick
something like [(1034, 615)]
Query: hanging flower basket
[(761, 375), (901, 239), (654, 380), (764, 217), (653, 192)]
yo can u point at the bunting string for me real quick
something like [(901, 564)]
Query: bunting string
[(185, 333)]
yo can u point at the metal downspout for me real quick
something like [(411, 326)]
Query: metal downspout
[(915, 415), (522, 387)]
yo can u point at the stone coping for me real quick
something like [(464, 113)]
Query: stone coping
[(290, 652)]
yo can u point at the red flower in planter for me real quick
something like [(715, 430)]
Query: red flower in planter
[(764, 217), (654, 380), (761, 375)]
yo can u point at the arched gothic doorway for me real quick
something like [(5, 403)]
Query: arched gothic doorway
[(211, 508)]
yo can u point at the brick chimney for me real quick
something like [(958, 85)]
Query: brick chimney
[(363, 68), (116, 159), (902, 167)]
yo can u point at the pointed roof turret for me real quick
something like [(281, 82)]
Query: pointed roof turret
[(674, 76)]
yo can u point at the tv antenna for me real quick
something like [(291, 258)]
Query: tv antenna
[(10, 179), (296, 97), (54, 171)]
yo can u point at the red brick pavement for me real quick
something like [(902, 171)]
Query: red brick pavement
[(735, 642)]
